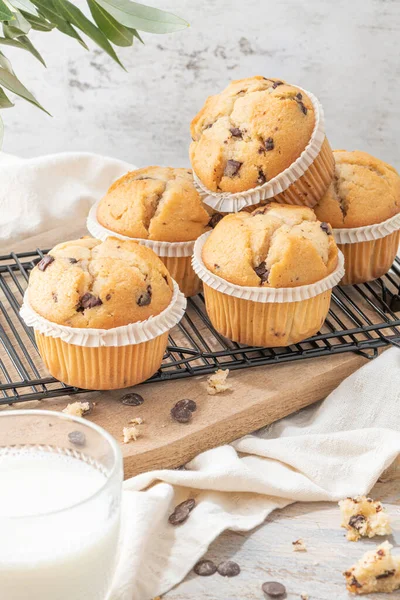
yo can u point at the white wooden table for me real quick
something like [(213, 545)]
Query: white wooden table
[(266, 554)]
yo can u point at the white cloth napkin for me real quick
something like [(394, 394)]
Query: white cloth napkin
[(334, 449)]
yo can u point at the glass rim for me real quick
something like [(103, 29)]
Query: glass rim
[(116, 451)]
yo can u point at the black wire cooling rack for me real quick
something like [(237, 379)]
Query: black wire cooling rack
[(362, 318)]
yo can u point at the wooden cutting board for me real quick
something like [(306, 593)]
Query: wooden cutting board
[(258, 397)]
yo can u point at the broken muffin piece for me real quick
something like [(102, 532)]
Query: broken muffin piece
[(364, 517), (376, 571), (77, 409), (216, 383)]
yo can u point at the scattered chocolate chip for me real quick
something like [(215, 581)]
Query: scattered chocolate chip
[(182, 414), (54, 296), (215, 219), (269, 144), (179, 515), (88, 300), (262, 272), (276, 83), (386, 574), (232, 168), (190, 404), (77, 438), (73, 261), (205, 568), (235, 131), (325, 227), (132, 399), (261, 177), (108, 297), (45, 262), (357, 521), (145, 298), (190, 503), (355, 583), (228, 568), (273, 589)]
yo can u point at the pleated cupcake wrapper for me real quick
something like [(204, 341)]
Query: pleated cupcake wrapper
[(227, 202), (162, 249), (134, 333), (264, 295), (367, 233)]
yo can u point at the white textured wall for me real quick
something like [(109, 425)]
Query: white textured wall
[(346, 52)]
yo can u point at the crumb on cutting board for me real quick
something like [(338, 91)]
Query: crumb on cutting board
[(216, 383), (77, 409), (130, 434), (377, 571), (304, 596), (364, 517), (137, 421), (299, 546)]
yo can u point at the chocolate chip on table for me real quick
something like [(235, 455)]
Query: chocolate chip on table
[(261, 177), (132, 399), (262, 272), (145, 298), (205, 568), (89, 300), (77, 438), (190, 404), (45, 262), (179, 515), (215, 219), (235, 131), (181, 414), (228, 568), (325, 227), (273, 589), (232, 168), (269, 144)]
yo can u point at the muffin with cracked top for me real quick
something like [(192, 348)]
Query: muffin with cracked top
[(159, 204), (253, 264), (362, 204), (96, 291), (251, 132)]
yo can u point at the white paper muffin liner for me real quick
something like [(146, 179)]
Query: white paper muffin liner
[(264, 295), (367, 233), (126, 335), (170, 249), (227, 202)]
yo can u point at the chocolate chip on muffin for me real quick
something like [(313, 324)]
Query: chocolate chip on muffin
[(232, 168)]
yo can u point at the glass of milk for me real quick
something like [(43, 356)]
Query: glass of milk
[(60, 500)]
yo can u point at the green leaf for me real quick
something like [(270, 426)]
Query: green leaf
[(24, 6), (137, 36), (5, 102), (38, 23), (47, 10), (13, 84), (76, 17), (5, 63), (144, 18), (24, 43), (5, 12), (17, 26), (117, 34)]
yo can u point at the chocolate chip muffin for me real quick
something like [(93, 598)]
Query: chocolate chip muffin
[(102, 312), (274, 246), (364, 193), (155, 203), (268, 275), (249, 133), (88, 283)]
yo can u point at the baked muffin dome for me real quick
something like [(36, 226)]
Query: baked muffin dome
[(364, 191), (274, 246), (249, 133), (88, 283), (155, 203)]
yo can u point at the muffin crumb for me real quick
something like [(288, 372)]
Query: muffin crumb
[(130, 434), (299, 546), (376, 571), (77, 409), (364, 517), (217, 384)]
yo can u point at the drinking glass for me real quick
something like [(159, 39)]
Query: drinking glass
[(60, 501)]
